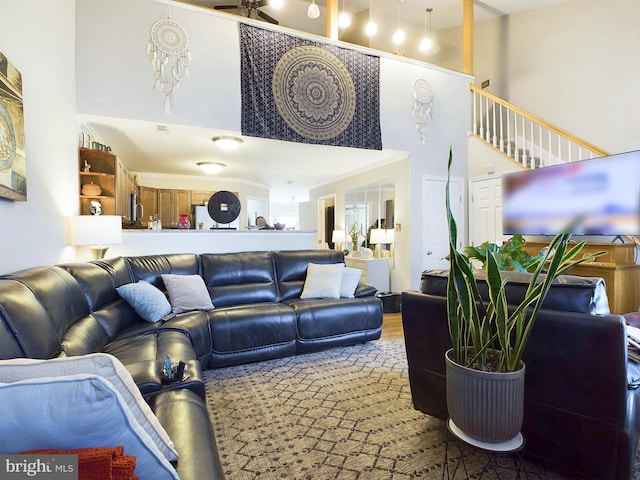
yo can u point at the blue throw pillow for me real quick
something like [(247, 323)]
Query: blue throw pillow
[(148, 302)]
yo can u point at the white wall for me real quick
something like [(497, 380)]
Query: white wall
[(211, 95), (574, 65), (38, 38)]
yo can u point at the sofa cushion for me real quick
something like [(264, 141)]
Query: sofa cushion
[(107, 367), (187, 292), (239, 278), (323, 281), (148, 302), (567, 293), (151, 267), (291, 268), (60, 413)]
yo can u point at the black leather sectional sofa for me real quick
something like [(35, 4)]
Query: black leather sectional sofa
[(74, 309), (581, 391)]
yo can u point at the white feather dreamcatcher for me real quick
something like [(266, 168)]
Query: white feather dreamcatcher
[(168, 52), (422, 97)]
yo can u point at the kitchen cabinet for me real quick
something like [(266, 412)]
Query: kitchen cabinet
[(200, 197), (171, 203), (99, 168), (149, 202)]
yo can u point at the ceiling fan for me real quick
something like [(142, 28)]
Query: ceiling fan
[(250, 9)]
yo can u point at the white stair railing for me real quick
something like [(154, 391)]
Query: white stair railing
[(525, 138)]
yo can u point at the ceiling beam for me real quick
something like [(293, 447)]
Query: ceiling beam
[(467, 37)]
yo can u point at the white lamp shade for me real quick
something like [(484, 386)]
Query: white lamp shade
[(389, 235), (96, 230), (338, 236), (313, 11), (377, 236)]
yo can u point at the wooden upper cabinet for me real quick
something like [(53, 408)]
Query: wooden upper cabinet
[(149, 202), (200, 197), (183, 203), (171, 203)]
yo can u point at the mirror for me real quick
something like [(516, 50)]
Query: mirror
[(368, 207)]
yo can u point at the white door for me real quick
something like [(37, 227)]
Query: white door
[(435, 238), (485, 211)]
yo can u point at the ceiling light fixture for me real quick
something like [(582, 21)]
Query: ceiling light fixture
[(211, 167), (313, 11), (371, 27), (344, 19), (427, 42), (227, 143)]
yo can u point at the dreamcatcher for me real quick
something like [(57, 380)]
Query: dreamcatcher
[(422, 97), (168, 52)]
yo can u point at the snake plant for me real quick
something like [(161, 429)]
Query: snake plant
[(478, 328)]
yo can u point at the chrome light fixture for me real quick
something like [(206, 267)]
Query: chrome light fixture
[(211, 167), (313, 11), (227, 143), (427, 42)]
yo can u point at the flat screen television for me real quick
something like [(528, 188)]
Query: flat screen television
[(599, 196)]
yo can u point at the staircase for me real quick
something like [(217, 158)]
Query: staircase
[(524, 138)]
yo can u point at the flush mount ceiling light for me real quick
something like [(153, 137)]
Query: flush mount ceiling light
[(227, 143), (313, 11), (211, 167)]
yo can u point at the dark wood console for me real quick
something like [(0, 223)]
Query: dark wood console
[(618, 269)]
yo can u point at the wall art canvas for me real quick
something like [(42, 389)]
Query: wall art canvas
[(13, 163), (299, 90)]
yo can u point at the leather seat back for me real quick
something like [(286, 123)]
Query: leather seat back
[(42, 329), (567, 293), (291, 268), (239, 278)]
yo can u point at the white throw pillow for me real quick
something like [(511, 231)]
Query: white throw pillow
[(76, 411), (323, 280), (350, 279), (187, 292), (102, 364)]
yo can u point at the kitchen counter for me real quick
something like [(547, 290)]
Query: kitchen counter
[(149, 242)]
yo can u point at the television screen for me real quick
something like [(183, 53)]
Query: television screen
[(599, 196)]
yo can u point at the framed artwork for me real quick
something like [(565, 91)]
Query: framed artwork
[(13, 163)]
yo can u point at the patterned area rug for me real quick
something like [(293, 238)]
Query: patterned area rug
[(341, 414)]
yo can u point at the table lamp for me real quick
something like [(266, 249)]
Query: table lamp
[(96, 231), (338, 237), (377, 238)]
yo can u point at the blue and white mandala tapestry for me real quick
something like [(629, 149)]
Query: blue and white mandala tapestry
[(303, 91)]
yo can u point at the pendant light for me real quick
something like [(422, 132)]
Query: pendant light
[(427, 42), (344, 19), (371, 27), (398, 36), (313, 11)]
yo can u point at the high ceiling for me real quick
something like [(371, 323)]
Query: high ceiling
[(175, 149)]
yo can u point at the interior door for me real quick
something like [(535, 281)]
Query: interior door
[(485, 211), (435, 238)]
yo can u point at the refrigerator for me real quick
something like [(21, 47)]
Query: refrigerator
[(201, 214)]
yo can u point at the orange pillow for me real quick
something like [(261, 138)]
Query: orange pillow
[(99, 463)]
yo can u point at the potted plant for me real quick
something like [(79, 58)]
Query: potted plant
[(509, 255), (488, 340)]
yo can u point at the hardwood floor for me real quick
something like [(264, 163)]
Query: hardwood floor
[(392, 326)]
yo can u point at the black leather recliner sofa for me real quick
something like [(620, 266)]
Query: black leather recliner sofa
[(581, 392), (74, 309)]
